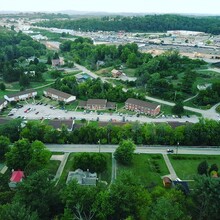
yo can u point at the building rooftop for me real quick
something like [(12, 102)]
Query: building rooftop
[(142, 103), (58, 93), (21, 93)]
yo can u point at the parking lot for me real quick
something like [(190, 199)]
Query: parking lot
[(46, 111)]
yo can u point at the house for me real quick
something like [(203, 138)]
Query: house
[(57, 62), (97, 104), (57, 124), (3, 104), (30, 73), (16, 177), (84, 178), (23, 95), (116, 73), (167, 182), (142, 107), (59, 95)]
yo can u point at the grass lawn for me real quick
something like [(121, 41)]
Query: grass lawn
[(186, 168), (106, 176), (129, 72), (52, 167), (143, 168)]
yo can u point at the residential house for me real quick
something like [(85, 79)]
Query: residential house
[(84, 178), (3, 104), (116, 73), (57, 124), (59, 95), (97, 104), (142, 107), (16, 177), (23, 95), (57, 62)]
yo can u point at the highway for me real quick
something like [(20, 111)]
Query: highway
[(70, 148)]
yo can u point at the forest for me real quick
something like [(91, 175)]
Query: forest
[(147, 23), (15, 48)]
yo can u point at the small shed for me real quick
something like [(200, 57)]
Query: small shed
[(167, 182)]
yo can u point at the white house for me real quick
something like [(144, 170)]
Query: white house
[(23, 95)]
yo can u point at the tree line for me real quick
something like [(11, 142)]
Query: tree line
[(147, 23), (204, 133)]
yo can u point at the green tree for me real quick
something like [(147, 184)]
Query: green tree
[(2, 86), (38, 193), (17, 211), (124, 153), (4, 146), (206, 195), (178, 108), (128, 197), (203, 168)]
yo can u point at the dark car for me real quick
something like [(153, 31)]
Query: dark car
[(170, 151)]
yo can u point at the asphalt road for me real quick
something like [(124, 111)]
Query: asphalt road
[(140, 150)]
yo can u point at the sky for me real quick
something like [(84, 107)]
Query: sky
[(143, 6)]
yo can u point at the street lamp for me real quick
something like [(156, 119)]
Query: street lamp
[(99, 146), (177, 147)]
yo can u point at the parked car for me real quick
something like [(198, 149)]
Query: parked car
[(170, 151)]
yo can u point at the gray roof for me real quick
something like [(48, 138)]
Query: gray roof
[(58, 93), (83, 177), (58, 123), (82, 103), (96, 101), (111, 105), (21, 93), (142, 103)]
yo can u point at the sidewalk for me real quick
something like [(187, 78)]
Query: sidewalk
[(172, 174)]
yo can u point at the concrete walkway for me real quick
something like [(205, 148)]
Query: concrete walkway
[(172, 174), (61, 167), (114, 168)]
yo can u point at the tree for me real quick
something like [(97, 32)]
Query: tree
[(28, 157), (203, 168), (38, 193), (178, 108), (17, 211), (124, 153), (2, 86), (128, 197), (4, 146), (206, 195)]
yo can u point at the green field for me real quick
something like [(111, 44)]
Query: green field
[(143, 167), (186, 168)]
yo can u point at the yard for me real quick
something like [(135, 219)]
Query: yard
[(105, 176), (186, 165), (148, 168)]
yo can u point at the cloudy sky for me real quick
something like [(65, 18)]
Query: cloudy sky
[(148, 6)]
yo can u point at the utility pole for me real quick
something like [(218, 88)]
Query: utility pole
[(99, 146)]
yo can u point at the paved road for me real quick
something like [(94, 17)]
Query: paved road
[(139, 150)]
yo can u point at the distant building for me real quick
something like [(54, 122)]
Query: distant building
[(23, 95), (142, 107), (3, 104), (16, 177), (84, 178), (97, 104), (116, 73), (57, 62), (59, 95)]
